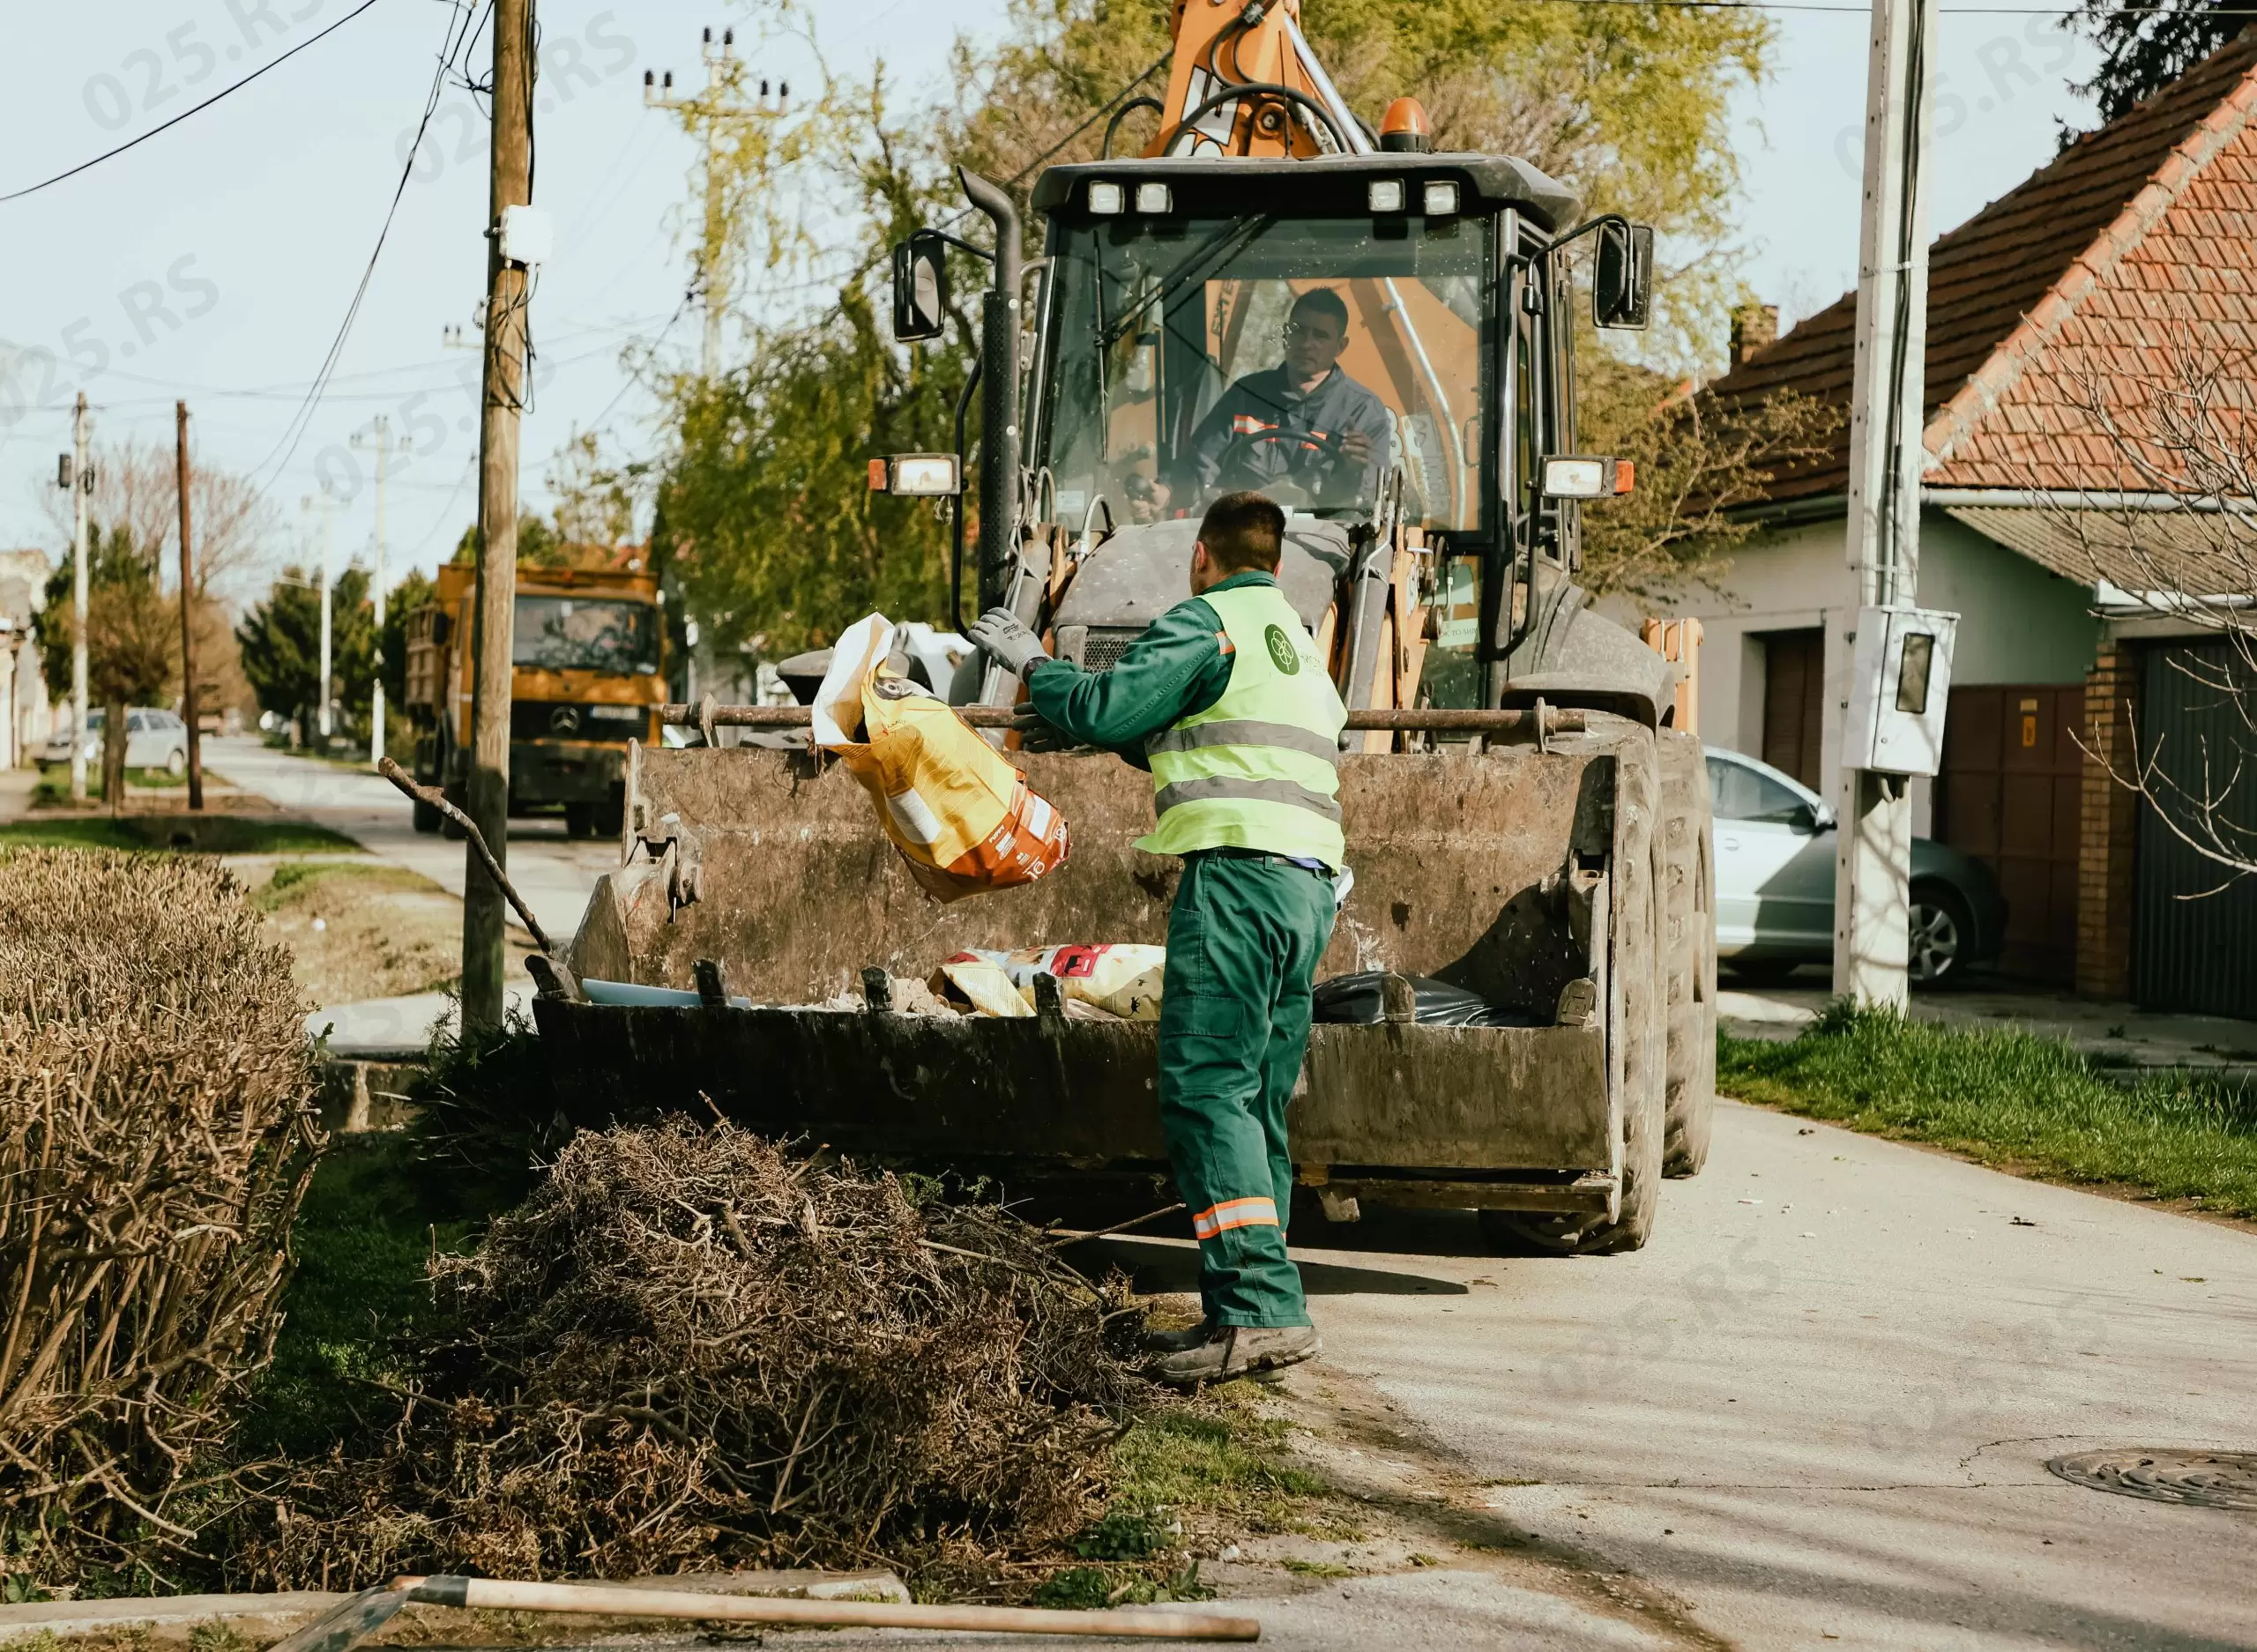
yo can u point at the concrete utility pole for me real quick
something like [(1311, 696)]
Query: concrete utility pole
[(1873, 845), (82, 484), (719, 105), (386, 447), (507, 285), (188, 620), (321, 715)]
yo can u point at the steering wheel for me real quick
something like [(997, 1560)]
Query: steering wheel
[(1240, 447)]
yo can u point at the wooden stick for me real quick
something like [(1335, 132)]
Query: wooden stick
[(501, 1595), (437, 799)]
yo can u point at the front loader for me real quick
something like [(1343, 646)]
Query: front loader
[(1524, 817)]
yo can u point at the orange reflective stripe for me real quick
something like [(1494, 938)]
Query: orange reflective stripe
[(1231, 1213), (1223, 641)]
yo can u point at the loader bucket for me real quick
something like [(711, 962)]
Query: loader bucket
[(1522, 873)]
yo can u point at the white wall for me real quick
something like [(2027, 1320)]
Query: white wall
[(2018, 623)]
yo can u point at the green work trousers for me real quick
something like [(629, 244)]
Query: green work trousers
[(1243, 945)]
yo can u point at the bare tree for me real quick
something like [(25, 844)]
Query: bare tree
[(137, 489), (2166, 524)]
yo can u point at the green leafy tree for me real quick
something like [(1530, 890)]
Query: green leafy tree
[(132, 639), (2144, 48), (280, 640), (415, 591)]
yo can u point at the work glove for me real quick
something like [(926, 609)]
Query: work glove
[(1035, 734), (999, 633)]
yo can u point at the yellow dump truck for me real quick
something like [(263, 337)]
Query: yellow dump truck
[(589, 674)]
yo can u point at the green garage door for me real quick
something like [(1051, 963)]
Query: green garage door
[(2194, 942)]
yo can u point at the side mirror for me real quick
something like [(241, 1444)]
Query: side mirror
[(920, 287), (1622, 286), (1816, 818), (1586, 476)]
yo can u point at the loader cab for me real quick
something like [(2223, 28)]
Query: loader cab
[(1381, 342)]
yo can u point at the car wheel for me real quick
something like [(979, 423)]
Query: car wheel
[(1943, 931), (176, 762)]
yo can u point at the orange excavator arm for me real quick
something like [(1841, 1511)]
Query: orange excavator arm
[(1223, 96)]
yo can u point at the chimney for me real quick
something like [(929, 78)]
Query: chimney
[(1754, 327)]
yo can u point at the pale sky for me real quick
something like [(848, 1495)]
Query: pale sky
[(216, 261)]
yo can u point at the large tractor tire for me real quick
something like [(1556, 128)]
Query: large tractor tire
[(1638, 1019), (1689, 907)]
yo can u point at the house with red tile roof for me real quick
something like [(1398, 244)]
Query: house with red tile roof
[(2057, 541)]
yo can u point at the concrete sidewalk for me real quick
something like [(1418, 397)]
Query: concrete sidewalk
[(2113, 1035)]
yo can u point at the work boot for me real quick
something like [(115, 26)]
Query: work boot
[(1178, 1342), (1238, 1350)]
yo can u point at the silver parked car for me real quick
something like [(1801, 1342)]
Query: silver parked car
[(154, 739), (1775, 884)]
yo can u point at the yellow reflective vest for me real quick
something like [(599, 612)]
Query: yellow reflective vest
[(1260, 768)]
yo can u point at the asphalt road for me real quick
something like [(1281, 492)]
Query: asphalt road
[(1815, 1411), (553, 873)]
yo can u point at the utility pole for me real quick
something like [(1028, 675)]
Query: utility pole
[(188, 620), (82, 483), (1887, 397), (321, 714), (719, 106), (507, 285), (382, 442)]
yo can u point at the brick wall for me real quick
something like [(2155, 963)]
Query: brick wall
[(2108, 828)]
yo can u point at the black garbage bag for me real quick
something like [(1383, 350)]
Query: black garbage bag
[(1356, 999)]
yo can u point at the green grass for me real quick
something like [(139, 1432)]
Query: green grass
[(358, 1297), (53, 787), (2010, 1098), (208, 834), (1225, 1458)]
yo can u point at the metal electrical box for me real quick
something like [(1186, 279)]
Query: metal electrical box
[(1900, 678)]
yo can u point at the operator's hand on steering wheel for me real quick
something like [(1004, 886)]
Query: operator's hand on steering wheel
[(1356, 447)]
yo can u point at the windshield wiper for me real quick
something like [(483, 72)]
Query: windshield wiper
[(1191, 267)]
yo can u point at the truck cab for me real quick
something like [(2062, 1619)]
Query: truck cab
[(588, 659)]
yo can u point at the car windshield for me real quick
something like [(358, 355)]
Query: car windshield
[(1299, 356), (1743, 793), (580, 634)]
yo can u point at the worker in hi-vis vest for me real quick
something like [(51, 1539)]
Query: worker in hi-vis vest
[(1225, 699)]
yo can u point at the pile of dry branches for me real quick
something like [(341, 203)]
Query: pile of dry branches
[(689, 1349), (156, 1135)]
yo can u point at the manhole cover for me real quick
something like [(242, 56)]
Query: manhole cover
[(2211, 1479)]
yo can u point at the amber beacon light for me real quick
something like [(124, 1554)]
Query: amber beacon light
[(1404, 128)]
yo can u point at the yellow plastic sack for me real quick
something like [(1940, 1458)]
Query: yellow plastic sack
[(961, 817)]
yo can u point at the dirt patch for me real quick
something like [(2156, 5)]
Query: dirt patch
[(357, 929)]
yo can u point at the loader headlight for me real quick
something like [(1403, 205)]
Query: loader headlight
[(1385, 195), (1440, 200), (1106, 200), (1155, 197)]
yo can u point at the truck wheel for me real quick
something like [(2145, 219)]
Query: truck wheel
[(611, 815), (579, 820), (426, 817), (1640, 964), (1689, 890)]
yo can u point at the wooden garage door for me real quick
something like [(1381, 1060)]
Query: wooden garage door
[(2195, 932), (1794, 687), (2010, 795)]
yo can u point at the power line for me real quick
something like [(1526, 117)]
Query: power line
[(462, 24), (198, 110)]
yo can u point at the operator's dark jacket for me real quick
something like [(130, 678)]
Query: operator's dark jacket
[(1269, 400)]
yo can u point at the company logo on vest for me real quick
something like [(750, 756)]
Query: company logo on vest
[(1283, 654)]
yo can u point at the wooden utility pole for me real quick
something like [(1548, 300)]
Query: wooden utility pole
[(494, 627), (82, 482), (188, 622), (1873, 845)]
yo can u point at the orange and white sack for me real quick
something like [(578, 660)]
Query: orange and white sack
[(963, 817), (1121, 980)]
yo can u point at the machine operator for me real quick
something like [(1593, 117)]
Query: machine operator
[(1304, 422), (1227, 701)]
